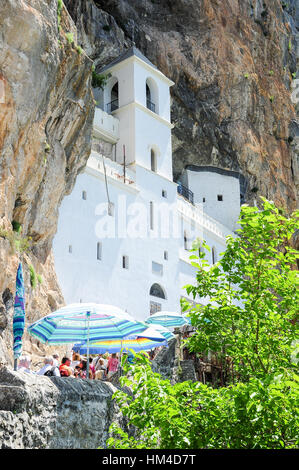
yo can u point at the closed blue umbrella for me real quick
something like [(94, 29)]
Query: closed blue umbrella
[(19, 315)]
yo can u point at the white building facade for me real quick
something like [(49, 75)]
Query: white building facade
[(125, 232)]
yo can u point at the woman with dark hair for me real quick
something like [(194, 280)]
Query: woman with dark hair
[(83, 369)]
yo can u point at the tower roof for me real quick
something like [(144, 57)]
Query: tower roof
[(133, 51)]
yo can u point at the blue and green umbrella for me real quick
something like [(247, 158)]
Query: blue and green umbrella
[(168, 319), (19, 314), (85, 323)]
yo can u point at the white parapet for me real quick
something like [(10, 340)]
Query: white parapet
[(106, 126), (114, 170), (196, 213)]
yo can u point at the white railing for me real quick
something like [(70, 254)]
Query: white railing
[(106, 125), (197, 214), (113, 170)]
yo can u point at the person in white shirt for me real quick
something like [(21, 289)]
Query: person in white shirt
[(49, 368)]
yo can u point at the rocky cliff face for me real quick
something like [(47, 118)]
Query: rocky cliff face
[(46, 113), (233, 63)]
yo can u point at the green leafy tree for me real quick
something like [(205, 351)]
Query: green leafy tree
[(249, 321)]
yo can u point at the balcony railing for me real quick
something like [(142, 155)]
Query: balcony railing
[(112, 106), (186, 193), (151, 106)]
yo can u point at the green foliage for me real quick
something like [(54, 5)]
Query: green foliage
[(17, 242), (258, 414), (16, 226), (249, 322), (39, 278), (271, 72), (33, 276), (253, 296), (69, 37), (59, 10), (271, 98), (79, 50), (99, 80)]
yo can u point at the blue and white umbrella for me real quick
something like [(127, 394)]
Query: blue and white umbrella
[(168, 319), (85, 323), (168, 335)]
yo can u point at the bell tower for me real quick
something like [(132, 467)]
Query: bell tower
[(138, 94)]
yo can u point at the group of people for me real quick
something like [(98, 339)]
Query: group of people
[(101, 367)]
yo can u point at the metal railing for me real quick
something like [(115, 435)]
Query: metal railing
[(112, 106), (186, 193), (150, 105)]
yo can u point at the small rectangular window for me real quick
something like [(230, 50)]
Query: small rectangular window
[(70, 249), (164, 193), (84, 195), (203, 199), (220, 197), (155, 307), (151, 215), (99, 251), (166, 255), (125, 262)]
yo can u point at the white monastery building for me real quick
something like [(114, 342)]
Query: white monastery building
[(125, 232)]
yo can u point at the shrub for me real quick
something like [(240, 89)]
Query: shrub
[(99, 80), (69, 37), (33, 276), (16, 226)]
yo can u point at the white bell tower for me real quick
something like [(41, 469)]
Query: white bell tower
[(137, 93)]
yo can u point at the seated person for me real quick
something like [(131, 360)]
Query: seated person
[(49, 368), (64, 368), (101, 371), (83, 370)]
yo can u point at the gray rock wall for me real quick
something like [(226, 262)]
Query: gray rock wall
[(39, 412)]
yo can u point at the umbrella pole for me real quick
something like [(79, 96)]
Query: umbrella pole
[(121, 353), (15, 366), (87, 365)]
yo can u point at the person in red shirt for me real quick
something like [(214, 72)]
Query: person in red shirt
[(64, 368)]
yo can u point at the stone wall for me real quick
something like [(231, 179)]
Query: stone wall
[(53, 412)]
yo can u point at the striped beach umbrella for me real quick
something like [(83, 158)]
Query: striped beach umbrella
[(168, 335), (85, 323), (144, 341), (19, 315), (167, 319)]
